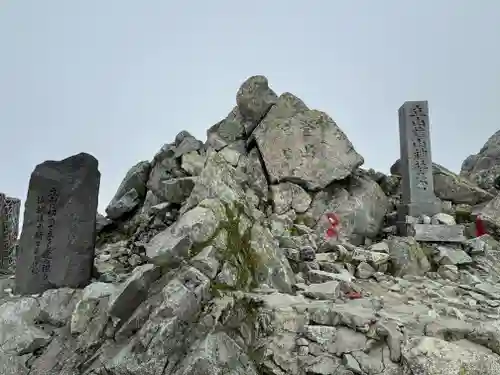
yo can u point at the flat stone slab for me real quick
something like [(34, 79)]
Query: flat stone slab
[(436, 233)]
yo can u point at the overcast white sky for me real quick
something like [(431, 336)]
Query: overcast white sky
[(119, 78)]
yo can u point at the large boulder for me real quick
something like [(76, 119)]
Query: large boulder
[(219, 180), (166, 165), (255, 98), (56, 248), (490, 216), (304, 146), (432, 356), (131, 191), (449, 186), (360, 206), (224, 133), (483, 168)]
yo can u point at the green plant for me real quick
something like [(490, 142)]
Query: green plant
[(238, 253)]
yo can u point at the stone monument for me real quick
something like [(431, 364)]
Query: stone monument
[(9, 222), (3, 249), (56, 248), (417, 182), (417, 189)]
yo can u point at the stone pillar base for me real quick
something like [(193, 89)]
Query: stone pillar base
[(418, 209)]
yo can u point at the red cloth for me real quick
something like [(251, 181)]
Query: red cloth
[(353, 295), (334, 222), (480, 229)]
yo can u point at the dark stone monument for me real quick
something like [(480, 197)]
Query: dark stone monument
[(3, 248), (56, 248)]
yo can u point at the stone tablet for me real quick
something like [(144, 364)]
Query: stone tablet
[(417, 187), (3, 249), (56, 248), (436, 233), (9, 211)]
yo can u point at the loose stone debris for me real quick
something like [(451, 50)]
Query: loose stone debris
[(212, 259)]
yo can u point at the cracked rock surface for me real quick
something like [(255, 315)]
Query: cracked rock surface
[(214, 260)]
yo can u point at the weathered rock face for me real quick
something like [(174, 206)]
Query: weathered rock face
[(222, 264), (450, 187), (255, 98), (306, 147), (56, 247), (131, 191), (483, 168), (361, 207)]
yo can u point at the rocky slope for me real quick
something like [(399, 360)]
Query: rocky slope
[(213, 259), (483, 168)]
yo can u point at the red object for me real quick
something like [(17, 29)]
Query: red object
[(353, 295), (480, 230), (334, 222)]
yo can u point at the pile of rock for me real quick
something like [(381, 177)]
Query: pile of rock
[(213, 259)]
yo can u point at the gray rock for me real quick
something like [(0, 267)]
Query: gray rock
[(206, 262), (407, 257), (13, 365), (490, 215), (449, 272), (287, 195), (364, 270), (101, 222), (164, 166), (90, 316), (360, 207), (133, 291), (329, 290), (224, 133), (187, 145), (56, 248), (177, 190), (481, 245), (231, 155), (273, 267), (126, 203), (429, 355), (218, 180), (179, 138), (257, 179), (483, 168), (57, 305), (172, 245), (131, 191), (307, 254), (450, 256), (436, 233), (18, 333), (449, 186), (307, 148), (254, 98), (150, 201), (192, 163), (372, 257), (443, 218)]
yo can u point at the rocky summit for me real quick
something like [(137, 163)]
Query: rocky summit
[(266, 250)]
